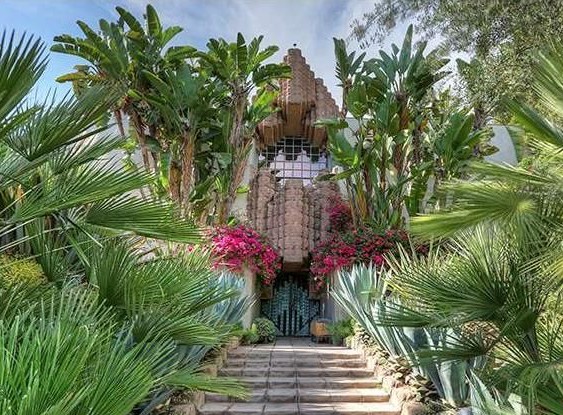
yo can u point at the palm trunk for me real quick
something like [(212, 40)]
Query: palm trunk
[(119, 121), (141, 139), (154, 155), (417, 145), (174, 182), (238, 167), (398, 153), (239, 151), (237, 129), (399, 161), (480, 119), (188, 154)]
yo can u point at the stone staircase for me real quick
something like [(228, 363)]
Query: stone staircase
[(295, 376)]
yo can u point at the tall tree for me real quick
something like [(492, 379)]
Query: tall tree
[(119, 57), (404, 138), (241, 70), (501, 36)]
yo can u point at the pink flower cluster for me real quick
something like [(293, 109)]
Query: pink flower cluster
[(342, 250), (339, 214), (236, 247), (347, 246)]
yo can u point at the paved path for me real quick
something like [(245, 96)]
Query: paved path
[(296, 376)]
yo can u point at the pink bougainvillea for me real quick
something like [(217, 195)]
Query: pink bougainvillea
[(357, 246), (339, 215), (237, 247), (347, 246)]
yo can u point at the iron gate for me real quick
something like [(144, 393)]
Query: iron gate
[(290, 308)]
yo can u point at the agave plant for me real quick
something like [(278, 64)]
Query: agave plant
[(364, 293)]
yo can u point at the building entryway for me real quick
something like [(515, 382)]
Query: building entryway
[(291, 308)]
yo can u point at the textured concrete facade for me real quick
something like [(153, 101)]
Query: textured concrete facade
[(292, 215), (302, 101)]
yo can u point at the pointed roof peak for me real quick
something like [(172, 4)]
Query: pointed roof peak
[(303, 100)]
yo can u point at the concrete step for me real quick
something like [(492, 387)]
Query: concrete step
[(317, 362), (286, 355), (295, 395), (295, 376), (299, 371), (309, 382), (375, 408)]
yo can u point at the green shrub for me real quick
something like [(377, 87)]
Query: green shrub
[(265, 329), (340, 330), (16, 270), (249, 336)]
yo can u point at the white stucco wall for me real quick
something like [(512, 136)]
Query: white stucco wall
[(506, 153)]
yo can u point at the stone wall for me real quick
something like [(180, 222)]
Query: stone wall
[(293, 216)]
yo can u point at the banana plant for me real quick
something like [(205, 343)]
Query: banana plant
[(240, 69), (185, 101), (388, 166), (117, 57)]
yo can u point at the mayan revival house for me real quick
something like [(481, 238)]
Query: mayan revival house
[(286, 203)]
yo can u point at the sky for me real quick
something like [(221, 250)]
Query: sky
[(311, 24)]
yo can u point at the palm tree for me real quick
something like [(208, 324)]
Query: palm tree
[(124, 325), (502, 276), (119, 57), (240, 69), (60, 167)]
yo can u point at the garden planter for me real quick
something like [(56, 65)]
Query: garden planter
[(266, 292), (319, 330)]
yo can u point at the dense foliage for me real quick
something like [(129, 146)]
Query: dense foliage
[(265, 329), (114, 322), (192, 118), (501, 37), (238, 247), (340, 330), (487, 307), (104, 310), (406, 139)]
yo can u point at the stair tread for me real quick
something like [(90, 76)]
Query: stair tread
[(374, 408), (333, 382), (301, 378), (313, 395)]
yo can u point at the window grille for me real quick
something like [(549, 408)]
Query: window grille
[(294, 158)]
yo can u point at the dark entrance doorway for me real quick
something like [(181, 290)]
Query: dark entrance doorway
[(291, 308)]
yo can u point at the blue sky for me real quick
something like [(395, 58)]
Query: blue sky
[(309, 23)]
